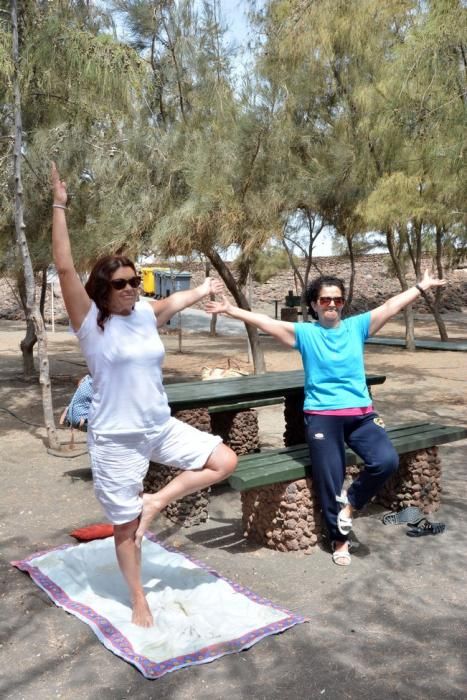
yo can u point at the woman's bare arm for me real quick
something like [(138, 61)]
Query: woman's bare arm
[(76, 300), (168, 307), (282, 330), (382, 314)]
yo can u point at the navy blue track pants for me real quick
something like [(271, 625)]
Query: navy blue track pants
[(326, 437)]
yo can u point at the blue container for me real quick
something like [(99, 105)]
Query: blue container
[(159, 273), (182, 281), (171, 282)]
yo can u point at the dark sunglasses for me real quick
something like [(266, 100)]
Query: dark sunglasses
[(120, 284), (325, 301)]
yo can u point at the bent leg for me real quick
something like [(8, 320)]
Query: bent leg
[(368, 438), (129, 561), (218, 467)]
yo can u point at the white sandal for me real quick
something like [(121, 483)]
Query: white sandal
[(344, 522), (341, 557)]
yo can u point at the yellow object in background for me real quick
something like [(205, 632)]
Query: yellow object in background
[(147, 274)]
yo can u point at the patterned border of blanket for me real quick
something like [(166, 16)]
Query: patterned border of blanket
[(114, 640)]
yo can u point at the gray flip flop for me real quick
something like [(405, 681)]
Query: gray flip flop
[(411, 514)]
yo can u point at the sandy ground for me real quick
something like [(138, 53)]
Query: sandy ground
[(392, 625)]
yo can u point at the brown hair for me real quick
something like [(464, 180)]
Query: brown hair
[(98, 285), (315, 286)]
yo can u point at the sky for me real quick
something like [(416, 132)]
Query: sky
[(234, 13)]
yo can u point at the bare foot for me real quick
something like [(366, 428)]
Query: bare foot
[(152, 505), (141, 614)]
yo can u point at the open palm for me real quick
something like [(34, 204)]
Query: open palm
[(217, 307), (430, 281), (58, 186)]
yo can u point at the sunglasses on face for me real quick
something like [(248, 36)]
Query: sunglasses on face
[(326, 301), (120, 284)]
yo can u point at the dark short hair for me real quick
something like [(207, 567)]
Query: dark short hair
[(314, 288), (98, 285)]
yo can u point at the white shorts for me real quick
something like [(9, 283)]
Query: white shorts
[(120, 462)]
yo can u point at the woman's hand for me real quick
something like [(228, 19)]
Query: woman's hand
[(218, 307), (391, 307), (429, 281), (58, 186), (212, 286)]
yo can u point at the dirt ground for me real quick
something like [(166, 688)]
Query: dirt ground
[(391, 625)]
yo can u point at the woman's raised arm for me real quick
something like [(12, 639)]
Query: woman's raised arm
[(76, 300), (382, 314)]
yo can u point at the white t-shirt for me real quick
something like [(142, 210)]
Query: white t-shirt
[(125, 361)]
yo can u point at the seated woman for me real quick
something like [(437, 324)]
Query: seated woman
[(338, 409), (129, 420)]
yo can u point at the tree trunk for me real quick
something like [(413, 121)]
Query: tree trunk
[(213, 322), (415, 251), (349, 240), (30, 339), (43, 291), (408, 311), (434, 308), (307, 254), (27, 345), (253, 337), (439, 291), (32, 310), (409, 328)]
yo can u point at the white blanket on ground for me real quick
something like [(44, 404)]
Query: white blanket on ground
[(198, 615)]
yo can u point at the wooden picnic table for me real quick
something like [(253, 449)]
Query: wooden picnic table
[(248, 390), (228, 403)]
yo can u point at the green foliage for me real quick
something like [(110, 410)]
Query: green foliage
[(354, 112), (79, 89), (263, 264), (6, 65)]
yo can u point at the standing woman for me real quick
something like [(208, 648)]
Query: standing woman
[(129, 420), (338, 409)]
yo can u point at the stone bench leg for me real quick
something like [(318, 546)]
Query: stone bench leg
[(282, 516), (188, 511), (416, 483), (192, 509), (238, 429)]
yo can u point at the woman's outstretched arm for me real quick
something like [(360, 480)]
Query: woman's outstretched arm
[(282, 330), (382, 314), (168, 307), (76, 300)]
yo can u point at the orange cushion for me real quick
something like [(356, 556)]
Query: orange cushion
[(93, 532)]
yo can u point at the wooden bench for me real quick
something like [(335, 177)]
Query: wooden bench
[(280, 510), (451, 345)]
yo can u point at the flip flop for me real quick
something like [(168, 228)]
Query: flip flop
[(341, 558), (411, 514), (424, 527)]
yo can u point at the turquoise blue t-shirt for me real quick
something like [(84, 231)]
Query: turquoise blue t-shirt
[(333, 363)]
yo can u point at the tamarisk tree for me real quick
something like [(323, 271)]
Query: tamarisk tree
[(53, 115), (32, 308)]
